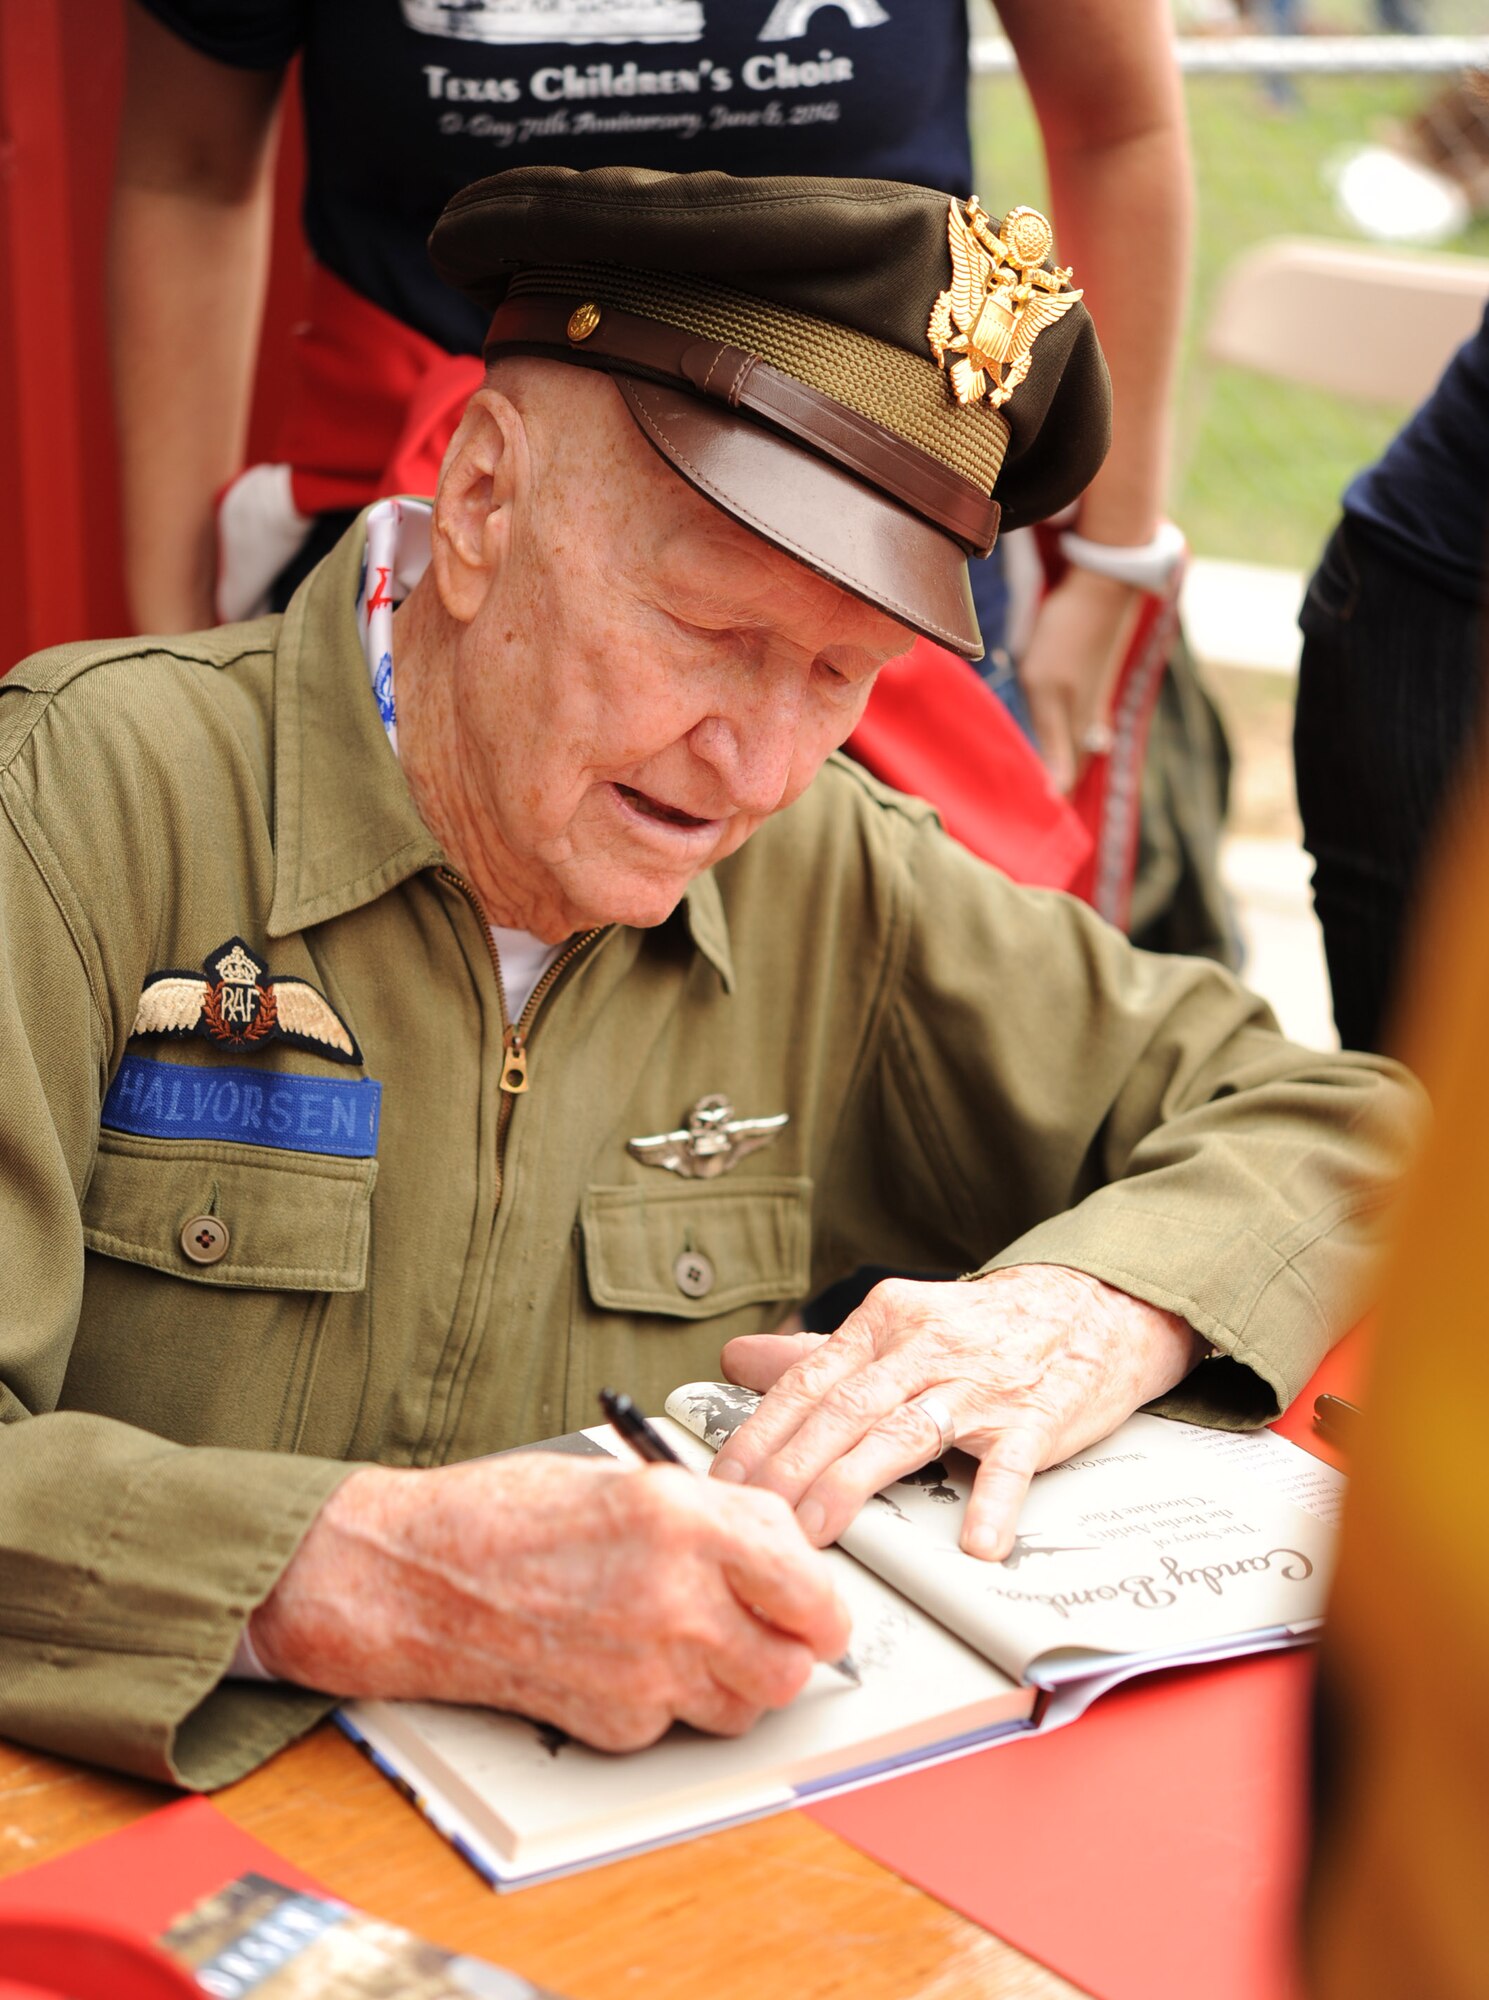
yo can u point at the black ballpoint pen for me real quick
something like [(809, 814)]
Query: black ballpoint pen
[(649, 1444)]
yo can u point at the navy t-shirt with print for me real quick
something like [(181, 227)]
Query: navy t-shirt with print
[(408, 100)]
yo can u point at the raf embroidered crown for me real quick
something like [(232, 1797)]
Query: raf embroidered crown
[(237, 968)]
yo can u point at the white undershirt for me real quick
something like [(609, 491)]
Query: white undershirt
[(397, 556), (524, 959)]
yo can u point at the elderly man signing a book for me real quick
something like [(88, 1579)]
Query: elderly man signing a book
[(483, 983)]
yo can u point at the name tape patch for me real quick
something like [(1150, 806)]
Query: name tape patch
[(293, 1114)]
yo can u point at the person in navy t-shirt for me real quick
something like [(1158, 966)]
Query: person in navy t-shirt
[(407, 100)]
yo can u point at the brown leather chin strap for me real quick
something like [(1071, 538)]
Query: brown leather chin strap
[(623, 342)]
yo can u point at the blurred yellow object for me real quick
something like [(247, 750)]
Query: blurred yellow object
[(1402, 1864)]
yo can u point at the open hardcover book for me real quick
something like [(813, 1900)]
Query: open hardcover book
[(1165, 1544)]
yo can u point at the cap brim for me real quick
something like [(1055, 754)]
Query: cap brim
[(814, 511)]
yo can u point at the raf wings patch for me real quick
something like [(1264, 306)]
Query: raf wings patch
[(238, 1006)]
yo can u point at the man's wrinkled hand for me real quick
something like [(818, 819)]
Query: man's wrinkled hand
[(609, 1601), (1029, 1364)]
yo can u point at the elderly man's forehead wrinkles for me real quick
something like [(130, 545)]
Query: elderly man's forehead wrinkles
[(598, 488), (720, 574), (701, 568), (603, 499)]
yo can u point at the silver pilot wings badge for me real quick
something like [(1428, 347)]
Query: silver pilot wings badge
[(710, 1142)]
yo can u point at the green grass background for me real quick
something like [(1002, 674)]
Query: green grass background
[(1259, 465)]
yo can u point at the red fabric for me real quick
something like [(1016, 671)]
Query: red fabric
[(372, 403), (47, 470), (138, 1880), (934, 729), (61, 80), (87, 1961), (1148, 1852)]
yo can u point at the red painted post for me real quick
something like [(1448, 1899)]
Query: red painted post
[(47, 595)]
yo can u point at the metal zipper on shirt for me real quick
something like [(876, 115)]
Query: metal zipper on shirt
[(462, 1333), (514, 1076)]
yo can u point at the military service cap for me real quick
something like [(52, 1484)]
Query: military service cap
[(868, 375)]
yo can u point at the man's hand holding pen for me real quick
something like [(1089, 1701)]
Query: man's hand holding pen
[(613, 1602), (610, 1602)]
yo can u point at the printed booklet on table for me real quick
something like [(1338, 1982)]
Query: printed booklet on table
[(244, 1921), (255, 1939)]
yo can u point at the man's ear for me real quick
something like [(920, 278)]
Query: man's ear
[(485, 476)]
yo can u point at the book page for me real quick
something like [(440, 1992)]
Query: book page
[(1152, 1542), (546, 1801), (1310, 1483)]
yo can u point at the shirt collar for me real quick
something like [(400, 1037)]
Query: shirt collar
[(397, 555), (702, 910), (346, 829)]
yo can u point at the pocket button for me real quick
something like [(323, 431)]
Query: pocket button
[(694, 1274), (204, 1239)]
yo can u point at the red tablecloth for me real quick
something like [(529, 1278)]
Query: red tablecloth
[(1151, 1851)]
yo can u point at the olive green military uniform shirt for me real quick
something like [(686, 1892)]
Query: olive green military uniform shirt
[(975, 1076)]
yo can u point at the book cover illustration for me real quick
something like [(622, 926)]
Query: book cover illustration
[(256, 1937)]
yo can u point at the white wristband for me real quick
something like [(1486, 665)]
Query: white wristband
[(1148, 566)]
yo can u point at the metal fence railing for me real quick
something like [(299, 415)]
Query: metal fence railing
[(1297, 55)]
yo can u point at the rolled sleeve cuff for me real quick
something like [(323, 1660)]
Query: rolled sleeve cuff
[(1271, 1310), (119, 1650)]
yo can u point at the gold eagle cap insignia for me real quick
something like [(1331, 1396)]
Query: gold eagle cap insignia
[(983, 328), (234, 1002)]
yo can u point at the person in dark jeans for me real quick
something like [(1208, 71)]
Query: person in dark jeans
[(1390, 688)]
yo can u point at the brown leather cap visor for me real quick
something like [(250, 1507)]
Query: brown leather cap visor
[(814, 511), (843, 494)]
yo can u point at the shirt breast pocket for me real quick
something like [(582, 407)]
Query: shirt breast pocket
[(225, 1293), (671, 1273)]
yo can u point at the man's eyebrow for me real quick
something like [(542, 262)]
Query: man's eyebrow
[(693, 597), (698, 601)]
